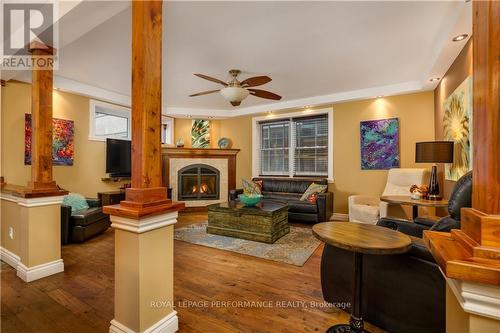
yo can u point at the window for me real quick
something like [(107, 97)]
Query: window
[(274, 152), (109, 121), (297, 145), (167, 130), (311, 146)]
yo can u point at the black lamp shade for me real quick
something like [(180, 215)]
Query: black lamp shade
[(434, 152)]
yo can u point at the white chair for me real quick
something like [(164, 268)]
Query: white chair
[(368, 209)]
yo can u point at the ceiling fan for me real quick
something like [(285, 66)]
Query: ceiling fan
[(235, 91)]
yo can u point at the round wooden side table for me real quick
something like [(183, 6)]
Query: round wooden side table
[(360, 239), (406, 200)]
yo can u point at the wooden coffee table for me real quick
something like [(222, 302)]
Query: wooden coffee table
[(360, 238), (266, 222)]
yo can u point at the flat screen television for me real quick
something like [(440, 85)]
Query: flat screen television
[(118, 157)]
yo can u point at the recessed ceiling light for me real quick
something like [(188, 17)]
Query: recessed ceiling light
[(460, 37), (434, 79)]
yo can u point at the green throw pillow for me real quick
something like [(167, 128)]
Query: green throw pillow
[(312, 190), (76, 201), (251, 188)]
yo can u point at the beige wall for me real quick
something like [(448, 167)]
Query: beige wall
[(456, 74), (238, 130), (89, 161), (416, 116)]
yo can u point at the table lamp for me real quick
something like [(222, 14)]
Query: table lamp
[(434, 152)]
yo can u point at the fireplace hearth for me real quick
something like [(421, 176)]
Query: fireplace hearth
[(198, 182)]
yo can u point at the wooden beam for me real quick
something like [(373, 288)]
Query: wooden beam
[(146, 196), (473, 252), (41, 122), (486, 111), (146, 93)]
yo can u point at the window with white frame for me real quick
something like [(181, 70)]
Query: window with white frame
[(109, 121), (297, 145)]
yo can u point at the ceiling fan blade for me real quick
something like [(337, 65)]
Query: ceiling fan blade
[(204, 93), (209, 78), (264, 94), (255, 81)]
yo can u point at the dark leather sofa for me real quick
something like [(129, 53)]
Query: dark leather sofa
[(290, 190), (401, 293), (81, 225)]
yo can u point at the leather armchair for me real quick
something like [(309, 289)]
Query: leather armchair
[(401, 293), (81, 225), (368, 209), (461, 197), (290, 190)]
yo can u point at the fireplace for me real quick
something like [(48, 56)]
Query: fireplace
[(198, 182)]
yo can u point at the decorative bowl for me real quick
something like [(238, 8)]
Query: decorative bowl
[(223, 143), (250, 200)]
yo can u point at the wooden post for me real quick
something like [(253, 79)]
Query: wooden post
[(146, 196), (473, 252), (486, 122), (41, 123), (144, 221)]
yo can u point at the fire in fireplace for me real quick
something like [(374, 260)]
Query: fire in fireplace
[(198, 182)]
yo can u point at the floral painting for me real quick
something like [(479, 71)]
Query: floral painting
[(457, 127), (200, 133), (379, 144), (62, 141)]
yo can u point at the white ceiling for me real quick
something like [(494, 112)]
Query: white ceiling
[(315, 52)]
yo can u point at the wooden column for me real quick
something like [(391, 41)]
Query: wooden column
[(486, 122), (144, 221), (41, 123), (473, 252), (146, 196)]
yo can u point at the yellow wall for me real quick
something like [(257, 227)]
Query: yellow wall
[(415, 112), (89, 161), (416, 116), (416, 121)]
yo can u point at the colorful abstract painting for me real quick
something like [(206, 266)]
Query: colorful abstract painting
[(457, 127), (379, 144), (200, 133), (63, 132)]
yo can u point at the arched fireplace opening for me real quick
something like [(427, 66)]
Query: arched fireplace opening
[(198, 182)]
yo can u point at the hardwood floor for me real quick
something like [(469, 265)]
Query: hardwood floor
[(81, 298)]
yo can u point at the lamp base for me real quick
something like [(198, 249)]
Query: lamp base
[(434, 197)]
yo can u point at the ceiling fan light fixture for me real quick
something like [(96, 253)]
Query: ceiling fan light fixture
[(234, 94)]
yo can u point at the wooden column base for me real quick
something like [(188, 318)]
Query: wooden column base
[(471, 253), (140, 202)]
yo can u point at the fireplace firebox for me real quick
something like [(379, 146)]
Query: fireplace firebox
[(198, 182)]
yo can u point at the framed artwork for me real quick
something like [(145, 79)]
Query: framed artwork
[(200, 133), (63, 132), (379, 144), (457, 127)]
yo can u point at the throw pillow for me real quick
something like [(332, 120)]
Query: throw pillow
[(76, 201), (252, 188), (313, 189)]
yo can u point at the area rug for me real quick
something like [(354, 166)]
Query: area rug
[(294, 248)]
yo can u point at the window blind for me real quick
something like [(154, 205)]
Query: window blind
[(294, 147), (274, 148), (311, 146)]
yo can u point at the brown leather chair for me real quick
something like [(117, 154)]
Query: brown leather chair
[(81, 225)]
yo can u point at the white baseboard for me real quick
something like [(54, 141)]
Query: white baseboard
[(9, 257), (339, 217), (168, 324), (29, 274)]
